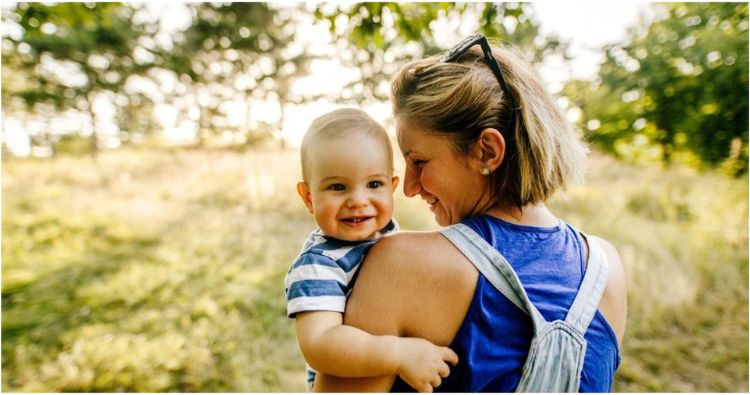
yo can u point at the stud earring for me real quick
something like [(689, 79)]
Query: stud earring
[(485, 171)]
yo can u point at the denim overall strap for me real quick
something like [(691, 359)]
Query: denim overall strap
[(495, 268), (590, 293)]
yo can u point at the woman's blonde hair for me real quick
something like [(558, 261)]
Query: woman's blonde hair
[(461, 98)]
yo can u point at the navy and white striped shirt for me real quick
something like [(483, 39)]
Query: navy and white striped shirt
[(321, 277)]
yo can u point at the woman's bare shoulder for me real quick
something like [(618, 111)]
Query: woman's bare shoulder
[(614, 304), (410, 242), (616, 280), (417, 253), (408, 237), (404, 280)]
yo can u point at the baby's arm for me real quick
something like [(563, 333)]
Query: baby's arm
[(345, 351)]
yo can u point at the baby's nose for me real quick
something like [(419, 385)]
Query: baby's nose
[(357, 198)]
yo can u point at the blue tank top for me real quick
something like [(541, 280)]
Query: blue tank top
[(494, 339)]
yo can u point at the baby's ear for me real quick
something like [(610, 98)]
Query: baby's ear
[(394, 182), (304, 193)]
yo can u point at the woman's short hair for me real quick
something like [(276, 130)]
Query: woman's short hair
[(461, 98)]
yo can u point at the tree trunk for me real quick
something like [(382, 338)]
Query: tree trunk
[(282, 111), (94, 148), (666, 153)]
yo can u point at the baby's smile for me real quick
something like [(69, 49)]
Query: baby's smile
[(354, 221)]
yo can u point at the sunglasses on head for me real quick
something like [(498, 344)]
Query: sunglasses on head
[(471, 41)]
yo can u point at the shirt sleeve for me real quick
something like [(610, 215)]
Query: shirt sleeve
[(315, 283)]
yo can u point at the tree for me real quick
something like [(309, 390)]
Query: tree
[(678, 84), (378, 38), (236, 51), (70, 53)]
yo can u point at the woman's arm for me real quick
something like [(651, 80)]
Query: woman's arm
[(413, 284)]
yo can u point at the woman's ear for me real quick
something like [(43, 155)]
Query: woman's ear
[(491, 148), (304, 193)]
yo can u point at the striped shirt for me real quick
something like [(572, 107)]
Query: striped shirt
[(323, 274)]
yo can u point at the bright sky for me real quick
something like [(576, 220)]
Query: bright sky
[(586, 25)]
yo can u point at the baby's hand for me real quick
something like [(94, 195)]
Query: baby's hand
[(422, 364)]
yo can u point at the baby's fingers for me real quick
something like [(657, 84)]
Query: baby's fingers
[(426, 387), (435, 382), (449, 356), (444, 370)]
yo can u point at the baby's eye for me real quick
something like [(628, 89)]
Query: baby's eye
[(336, 187), (375, 184)]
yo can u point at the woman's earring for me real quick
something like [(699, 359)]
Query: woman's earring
[(485, 171)]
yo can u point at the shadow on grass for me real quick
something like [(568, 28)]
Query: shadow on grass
[(40, 310), (205, 319)]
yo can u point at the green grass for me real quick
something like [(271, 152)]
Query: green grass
[(163, 271), (683, 239)]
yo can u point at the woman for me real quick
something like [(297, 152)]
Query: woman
[(485, 146)]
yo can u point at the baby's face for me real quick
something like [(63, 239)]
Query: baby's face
[(350, 186)]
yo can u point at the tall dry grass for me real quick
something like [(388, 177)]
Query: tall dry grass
[(163, 271)]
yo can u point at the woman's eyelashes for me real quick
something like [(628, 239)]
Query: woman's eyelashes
[(418, 163), (415, 165)]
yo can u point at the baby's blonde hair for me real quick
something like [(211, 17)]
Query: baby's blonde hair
[(462, 98), (337, 124)]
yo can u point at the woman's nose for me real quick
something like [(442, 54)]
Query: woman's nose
[(411, 183)]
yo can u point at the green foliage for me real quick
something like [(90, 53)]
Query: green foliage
[(236, 50), (677, 88), (162, 271), (72, 32), (73, 144), (80, 28), (381, 37), (236, 34), (68, 54)]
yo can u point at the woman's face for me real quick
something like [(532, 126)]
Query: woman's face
[(450, 182)]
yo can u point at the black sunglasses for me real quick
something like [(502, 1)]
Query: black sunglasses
[(471, 41)]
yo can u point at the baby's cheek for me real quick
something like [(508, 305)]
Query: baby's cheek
[(386, 210)]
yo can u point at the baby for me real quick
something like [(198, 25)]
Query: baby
[(347, 168)]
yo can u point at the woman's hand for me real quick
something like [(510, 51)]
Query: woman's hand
[(422, 364)]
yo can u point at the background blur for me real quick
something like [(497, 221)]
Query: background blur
[(149, 157)]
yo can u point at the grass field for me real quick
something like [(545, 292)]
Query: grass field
[(163, 271)]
